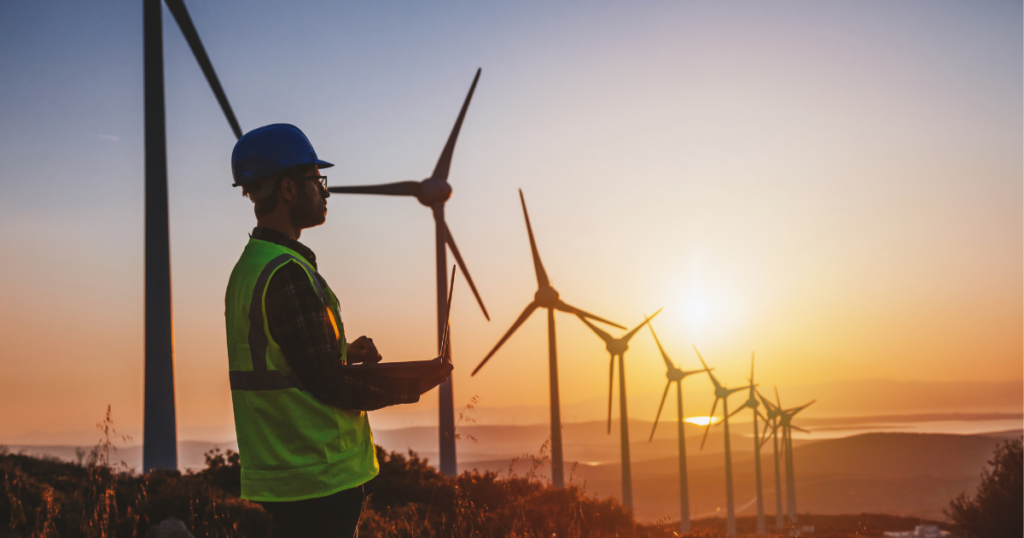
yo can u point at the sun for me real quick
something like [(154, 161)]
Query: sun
[(702, 421), (697, 310)]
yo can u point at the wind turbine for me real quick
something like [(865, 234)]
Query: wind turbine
[(159, 434), (433, 192), (753, 404), (546, 297), (786, 423), (617, 348), (722, 393), (675, 375), (772, 420)]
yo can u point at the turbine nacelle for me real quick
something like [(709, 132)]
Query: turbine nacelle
[(433, 191), (723, 392), (547, 297), (617, 346)]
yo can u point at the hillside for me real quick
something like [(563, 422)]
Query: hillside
[(893, 473)]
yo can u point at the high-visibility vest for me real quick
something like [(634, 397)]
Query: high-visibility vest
[(292, 446)]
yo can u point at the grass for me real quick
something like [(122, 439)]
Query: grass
[(91, 498)]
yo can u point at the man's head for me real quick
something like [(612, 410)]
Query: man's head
[(279, 171), (297, 196)]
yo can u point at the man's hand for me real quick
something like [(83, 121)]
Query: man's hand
[(434, 377), (362, 350)]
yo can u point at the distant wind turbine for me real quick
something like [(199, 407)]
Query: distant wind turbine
[(722, 393), (675, 375), (786, 423), (772, 421), (617, 348), (753, 404), (546, 297), (433, 192)]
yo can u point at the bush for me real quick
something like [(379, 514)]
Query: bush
[(997, 509), (51, 498), (45, 497), (411, 499)]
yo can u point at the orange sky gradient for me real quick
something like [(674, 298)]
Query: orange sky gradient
[(838, 189)]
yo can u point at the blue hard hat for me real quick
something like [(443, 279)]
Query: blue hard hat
[(270, 150)]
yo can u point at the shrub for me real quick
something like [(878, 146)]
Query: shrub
[(997, 509), (411, 499)]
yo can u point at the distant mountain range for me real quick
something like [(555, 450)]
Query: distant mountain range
[(834, 399)]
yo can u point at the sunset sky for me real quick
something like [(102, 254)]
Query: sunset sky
[(837, 186)]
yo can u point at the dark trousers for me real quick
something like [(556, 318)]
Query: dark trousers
[(333, 516)]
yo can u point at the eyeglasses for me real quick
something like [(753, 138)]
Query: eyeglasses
[(320, 179)]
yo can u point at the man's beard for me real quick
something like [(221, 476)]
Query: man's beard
[(307, 213)]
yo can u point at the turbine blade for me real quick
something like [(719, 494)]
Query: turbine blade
[(181, 15), (641, 326), (611, 377), (662, 404), (664, 356), (447, 317), (445, 161), (737, 389), (704, 364), (798, 428), (767, 403), (522, 318), (462, 265), (538, 267), (796, 410), (401, 188), (604, 336), (565, 307), (714, 380), (740, 408), (751, 367), (711, 420), (778, 401), (687, 373)]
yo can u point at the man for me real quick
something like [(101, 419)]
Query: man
[(299, 396)]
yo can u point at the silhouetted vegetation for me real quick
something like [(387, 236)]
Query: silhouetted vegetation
[(94, 498), (46, 497), (997, 509), (411, 499)]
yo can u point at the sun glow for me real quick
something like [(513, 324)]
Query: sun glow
[(697, 310), (702, 421)]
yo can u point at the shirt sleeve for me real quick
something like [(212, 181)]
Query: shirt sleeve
[(299, 323)]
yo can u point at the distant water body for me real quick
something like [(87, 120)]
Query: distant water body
[(961, 426)]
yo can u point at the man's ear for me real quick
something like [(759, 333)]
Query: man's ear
[(288, 190)]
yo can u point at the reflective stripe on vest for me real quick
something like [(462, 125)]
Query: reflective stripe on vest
[(260, 378)]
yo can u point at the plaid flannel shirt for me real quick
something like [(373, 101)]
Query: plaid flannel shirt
[(299, 324)]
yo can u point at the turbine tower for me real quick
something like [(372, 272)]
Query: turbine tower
[(433, 192), (675, 375), (159, 433), (722, 393), (753, 404), (772, 420), (546, 297), (617, 348), (786, 423)]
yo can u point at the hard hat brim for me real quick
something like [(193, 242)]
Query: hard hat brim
[(319, 163)]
